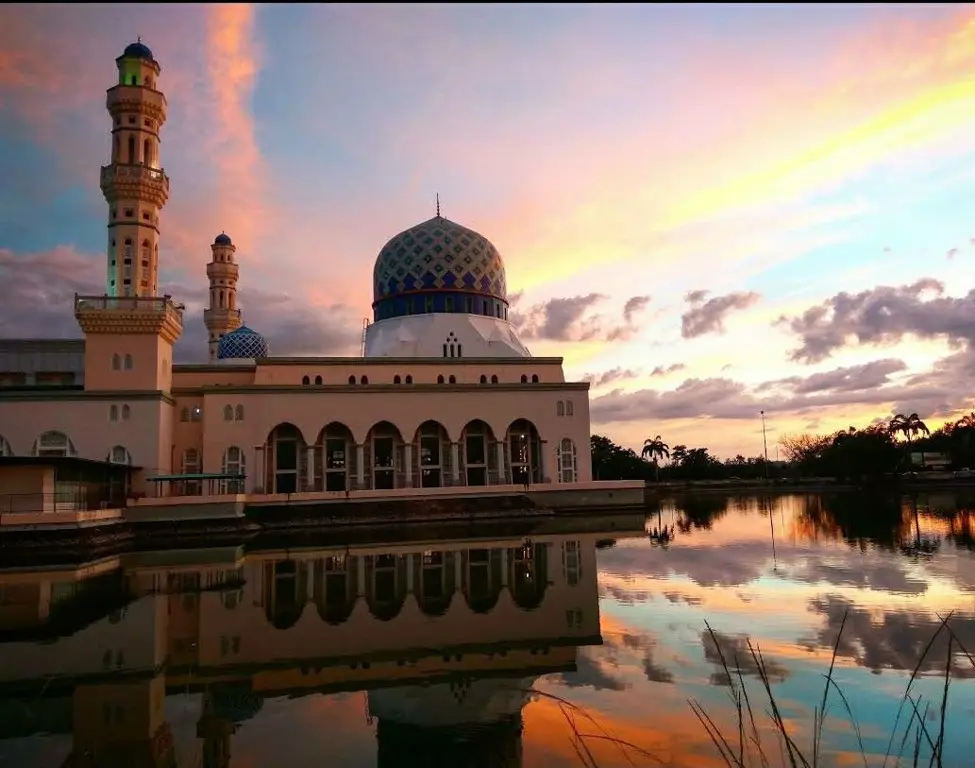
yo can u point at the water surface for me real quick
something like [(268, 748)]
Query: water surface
[(464, 651)]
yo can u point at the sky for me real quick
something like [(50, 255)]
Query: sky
[(707, 211)]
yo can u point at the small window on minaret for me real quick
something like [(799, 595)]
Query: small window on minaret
[(116, 363), (131, 160), (126, 412), (133, 80), (128, 362)]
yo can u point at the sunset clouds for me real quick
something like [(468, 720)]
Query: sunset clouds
[(779, 163)]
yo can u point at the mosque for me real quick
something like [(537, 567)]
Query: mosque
[(444, 394)]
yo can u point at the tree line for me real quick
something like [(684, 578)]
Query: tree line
[(881, 448)]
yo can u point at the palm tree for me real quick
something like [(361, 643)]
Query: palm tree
[(655, 449), (909, 426)]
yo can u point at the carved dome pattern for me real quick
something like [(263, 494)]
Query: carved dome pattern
[(242, 343), (439, 255)]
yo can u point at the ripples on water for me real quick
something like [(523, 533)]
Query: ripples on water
[(460, 652)]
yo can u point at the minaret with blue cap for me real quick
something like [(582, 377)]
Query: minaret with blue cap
[(134, 184), (222, 316)]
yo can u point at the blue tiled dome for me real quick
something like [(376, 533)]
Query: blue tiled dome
[(222, 239), (242, 343), (437, 256), (137, 51)]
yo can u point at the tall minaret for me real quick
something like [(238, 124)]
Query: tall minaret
[(134, 184), (222, 316)]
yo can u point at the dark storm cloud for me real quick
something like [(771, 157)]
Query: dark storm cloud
[(733, 652), (608, 377), (575, 318), (939, 392), (882, 315), (37, 292), (633, 307), (853, 378), (889, 638), (661, 370), (705, 317)]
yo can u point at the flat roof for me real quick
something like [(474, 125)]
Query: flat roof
[(197, 476), (61, 461)]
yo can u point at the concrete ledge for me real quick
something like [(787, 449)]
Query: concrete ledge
[(26, 521), (219, 508)]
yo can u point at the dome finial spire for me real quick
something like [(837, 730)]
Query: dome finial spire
[(438, 205)]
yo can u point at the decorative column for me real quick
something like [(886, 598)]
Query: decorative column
[(504, 566), (360, 466), (542, 447), (455, 462), (410, 558), (310, 480), (502, 479), (408, 465), (360, 565)]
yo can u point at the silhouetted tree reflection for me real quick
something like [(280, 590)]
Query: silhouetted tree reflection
[(700, 512), (858, 518)]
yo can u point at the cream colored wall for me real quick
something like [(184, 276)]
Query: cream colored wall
[(185, 376), (151, 362), (423, 370), (310, 411), (17, 480), (86, 422)]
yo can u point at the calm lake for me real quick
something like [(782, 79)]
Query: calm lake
[(462, 652)]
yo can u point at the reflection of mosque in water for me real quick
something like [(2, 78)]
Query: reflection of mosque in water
[(446, 641)]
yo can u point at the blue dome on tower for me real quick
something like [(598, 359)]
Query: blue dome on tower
[(137, 51), (222, 239), (439, 266), (242, 343)]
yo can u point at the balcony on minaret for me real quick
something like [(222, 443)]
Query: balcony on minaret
[(128, 98), (129, 314), (137, 178)]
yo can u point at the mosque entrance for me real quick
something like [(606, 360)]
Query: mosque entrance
[(285, 447), (431, 455), (335, 441), (476, 453), (524, 452)]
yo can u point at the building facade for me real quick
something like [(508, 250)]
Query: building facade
[(445, 393)]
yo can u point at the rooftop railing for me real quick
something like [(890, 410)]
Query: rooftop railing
[(136, 173), (155, 304)]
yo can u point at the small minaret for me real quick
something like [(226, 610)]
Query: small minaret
[(134, 184), (222, 316)]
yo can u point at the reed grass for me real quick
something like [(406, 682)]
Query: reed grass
[(748, 747)]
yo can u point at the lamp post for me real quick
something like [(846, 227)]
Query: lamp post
[(765, 445)]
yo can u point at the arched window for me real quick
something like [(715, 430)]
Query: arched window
[(113, 413), (126, 412), (534, 378), (560, 408), (318, 380), (147, 152), (5, 449), (524, 379), (184, 415), (396, 379), (409, 379), (53, 443), (305, 381), (351, 379), (228, 411), (221, 301), (128, 362), (452, 379), (568, 407), (483, 379), (120, 455), (116, 363), (239, 413), (567, 461), (117, 153), (494, 379), (233, 464), (131, 158), (363, 379), (440, 379)]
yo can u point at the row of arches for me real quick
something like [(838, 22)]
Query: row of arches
[(120, 362), (318, 381), (387, 460), (336, 585)]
